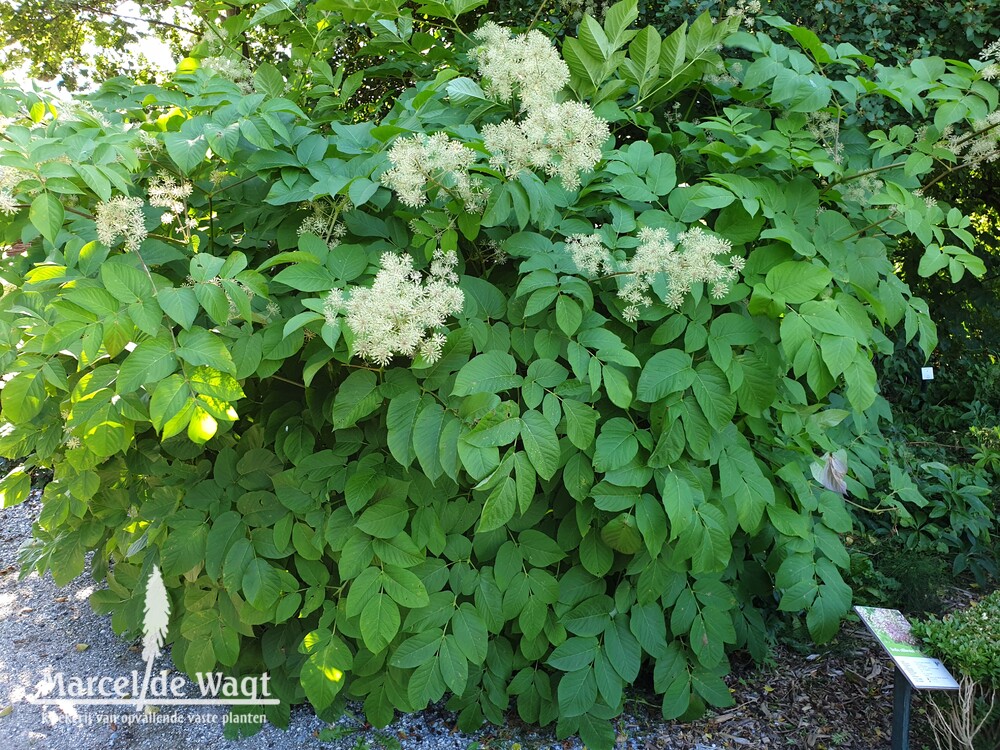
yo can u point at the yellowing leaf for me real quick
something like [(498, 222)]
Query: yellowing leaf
[(202, 426)]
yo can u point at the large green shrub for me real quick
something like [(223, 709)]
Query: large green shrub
[(399, 415)]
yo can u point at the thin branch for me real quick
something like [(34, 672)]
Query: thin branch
[(166, 238), (286, 380), (150, 21), (857, 175), (534, 19), (71, 210)]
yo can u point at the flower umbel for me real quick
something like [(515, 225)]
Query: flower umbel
[(121, 217), (746, 10), (991, 55), (980, 146), (562, 139), (692, 260), (166, 192), (402, 312), (236, 71), (589, 254), (434, 159), (527, 66), (324, 224)]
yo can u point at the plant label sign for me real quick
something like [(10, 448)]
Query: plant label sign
[(892, 630)]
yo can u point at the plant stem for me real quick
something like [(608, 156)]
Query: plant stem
[(149, 21)]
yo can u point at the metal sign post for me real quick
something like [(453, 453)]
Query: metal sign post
[(902, 692), (913, 668)]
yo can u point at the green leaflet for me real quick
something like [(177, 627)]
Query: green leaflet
[(665, 373), (488, 373), (540, 443)]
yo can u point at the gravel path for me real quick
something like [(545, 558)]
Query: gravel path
[(44, 626)]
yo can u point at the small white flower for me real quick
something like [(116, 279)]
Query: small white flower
[(693, 259), (432, 346), (8, 203), (324, 224), (333, 304), (10, 178)]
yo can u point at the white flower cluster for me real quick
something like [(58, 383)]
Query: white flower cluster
[(236, 71), (83, 110), (589, 254), (148, 142), (562, 138), (10, 178), (861, 190), (825, 128), (434, 159), (991, 55), (980, 146), (746, 10), (726, 77), (495, 255), (166, 192), (121, 217), (527, 66), (324, 224), (234, 310), (402, 312), (693, 259)]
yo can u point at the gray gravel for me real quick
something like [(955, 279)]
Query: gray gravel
[(42, 625)]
